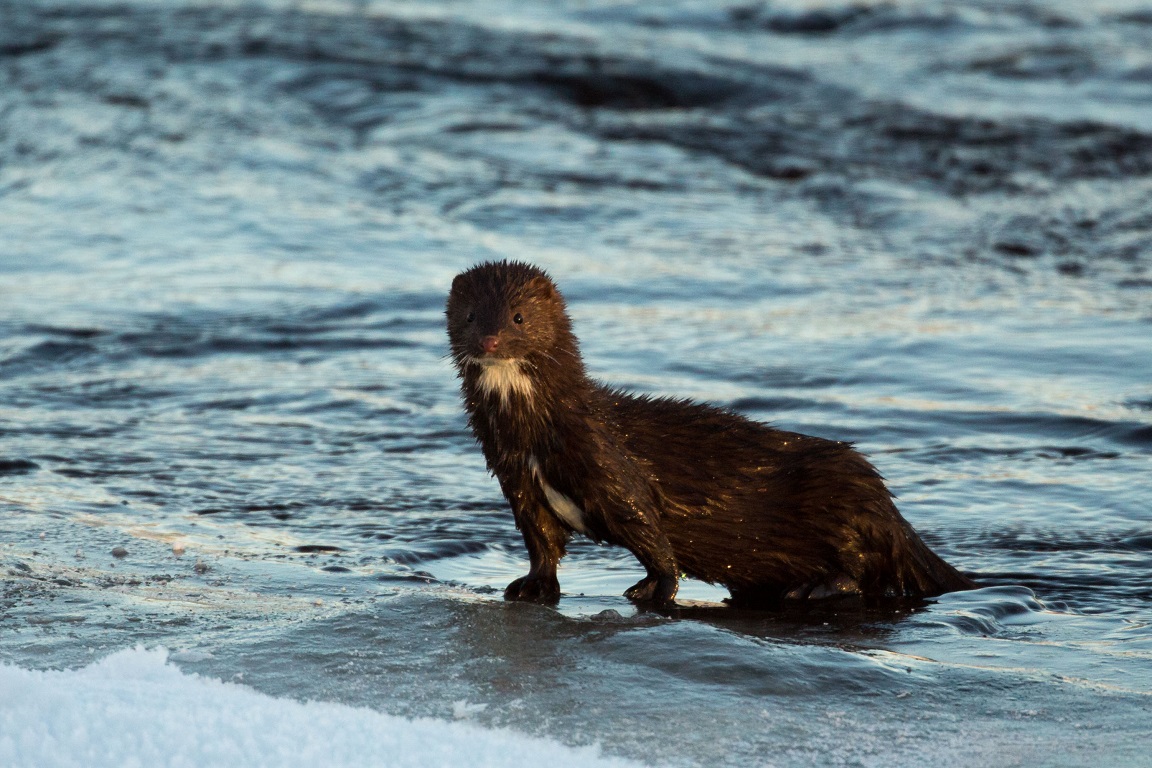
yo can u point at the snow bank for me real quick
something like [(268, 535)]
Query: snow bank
[(134, 709)]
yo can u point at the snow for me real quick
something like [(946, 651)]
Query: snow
[(135, 709)]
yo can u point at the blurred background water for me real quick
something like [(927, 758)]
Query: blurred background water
[(227, 231)]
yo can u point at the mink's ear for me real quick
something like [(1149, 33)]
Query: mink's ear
[(543, 287), (458, 283)]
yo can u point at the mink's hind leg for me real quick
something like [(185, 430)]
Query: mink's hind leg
[(840, 586), (778, 595)]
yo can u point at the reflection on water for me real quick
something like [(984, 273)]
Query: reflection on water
[(926, 228)]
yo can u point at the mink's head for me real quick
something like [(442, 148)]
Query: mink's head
[(508, 311)]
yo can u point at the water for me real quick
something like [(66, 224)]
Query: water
[(227, 235)]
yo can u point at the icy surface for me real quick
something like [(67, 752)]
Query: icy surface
[(133, 708)]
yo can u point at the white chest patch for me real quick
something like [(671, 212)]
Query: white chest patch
[(502, 377), (562, 506)]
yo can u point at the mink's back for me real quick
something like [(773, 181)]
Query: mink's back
[(761, 509), (702, 455)]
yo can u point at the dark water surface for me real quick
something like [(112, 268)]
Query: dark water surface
[(226, 234)]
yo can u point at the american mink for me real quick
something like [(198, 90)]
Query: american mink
[(687, 488)]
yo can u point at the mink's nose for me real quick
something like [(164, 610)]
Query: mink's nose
[(489, 344)]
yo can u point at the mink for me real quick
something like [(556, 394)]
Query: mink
[(688, 488)]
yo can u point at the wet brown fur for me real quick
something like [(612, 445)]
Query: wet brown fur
[(687, 488)]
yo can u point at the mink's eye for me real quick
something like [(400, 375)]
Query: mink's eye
[(471, 316), (518, 318)]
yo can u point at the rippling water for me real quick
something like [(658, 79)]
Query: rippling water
[(226, 234)]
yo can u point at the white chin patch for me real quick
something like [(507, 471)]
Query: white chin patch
[(562, 506), (502, 377)]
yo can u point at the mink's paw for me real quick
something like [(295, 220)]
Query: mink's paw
[(658, 590), (536, 589), (840, 586)]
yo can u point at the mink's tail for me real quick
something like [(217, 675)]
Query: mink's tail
[(920, 572)]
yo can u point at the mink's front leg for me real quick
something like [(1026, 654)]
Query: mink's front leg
[(647, 542), (657, 589), (545, 540), (534, 588)]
